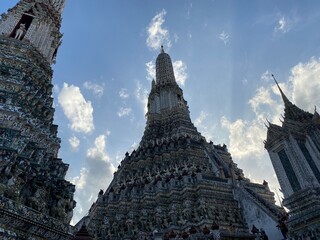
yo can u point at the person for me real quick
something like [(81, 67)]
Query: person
[(20, 31)]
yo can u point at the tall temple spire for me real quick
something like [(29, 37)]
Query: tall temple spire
[(294, 150), (37, 22), (164, 68), (166, 105), (175, 182), (284, 97)]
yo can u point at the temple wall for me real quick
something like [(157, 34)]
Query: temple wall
[(255, 215)]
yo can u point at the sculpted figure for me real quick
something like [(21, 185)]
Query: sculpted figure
[(20, 31), (143, 219), (187, 214), (69, 209), (106, 221), (173, 214), (158, 216), (202, 209), (36, 201), (115, 229)]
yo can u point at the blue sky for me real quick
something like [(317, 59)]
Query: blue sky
[(223, 54)]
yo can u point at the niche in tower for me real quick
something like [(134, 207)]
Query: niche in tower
[(26, 19), (54, 56)]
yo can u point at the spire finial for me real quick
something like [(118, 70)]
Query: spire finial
[(277, 84), (274, 78), (284, 97), (268, 121), (162, 51), (291, 111)]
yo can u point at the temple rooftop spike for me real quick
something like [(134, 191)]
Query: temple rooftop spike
[(162, 50), (267, 120), (286, 101), (164, 68), (291, 111), (316, 116)]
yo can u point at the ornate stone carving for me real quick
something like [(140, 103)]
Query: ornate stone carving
[(31, 177)]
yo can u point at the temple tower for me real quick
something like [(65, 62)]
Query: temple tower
[(36, 202), (294, 150), (176, 183)]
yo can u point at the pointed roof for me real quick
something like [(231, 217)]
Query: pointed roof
[(274, 132), (164, 68), (291, 111), (83, 234), (168, 113)]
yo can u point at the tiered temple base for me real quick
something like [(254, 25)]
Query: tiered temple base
[(304, 215), (20, 222)]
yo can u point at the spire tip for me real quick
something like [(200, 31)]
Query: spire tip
[(274, 78)]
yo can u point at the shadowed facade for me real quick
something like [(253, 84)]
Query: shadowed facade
[(36, 202)]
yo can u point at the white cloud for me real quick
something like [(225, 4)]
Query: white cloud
[(224, 37), (95, 88), (175, 38), (74, 143), (98, 151), (96, 175), (266, 76), (282, 26), (76, 108), (246, 136), (151, 70), (142, 95), (199, 120), (204, 125), (180, 71), (302, 89), (124, 112), (134, 146), (285, 24), (123, 93), (56, 89), (305, 79), (264, 105), (157, 34), (81, 180)]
